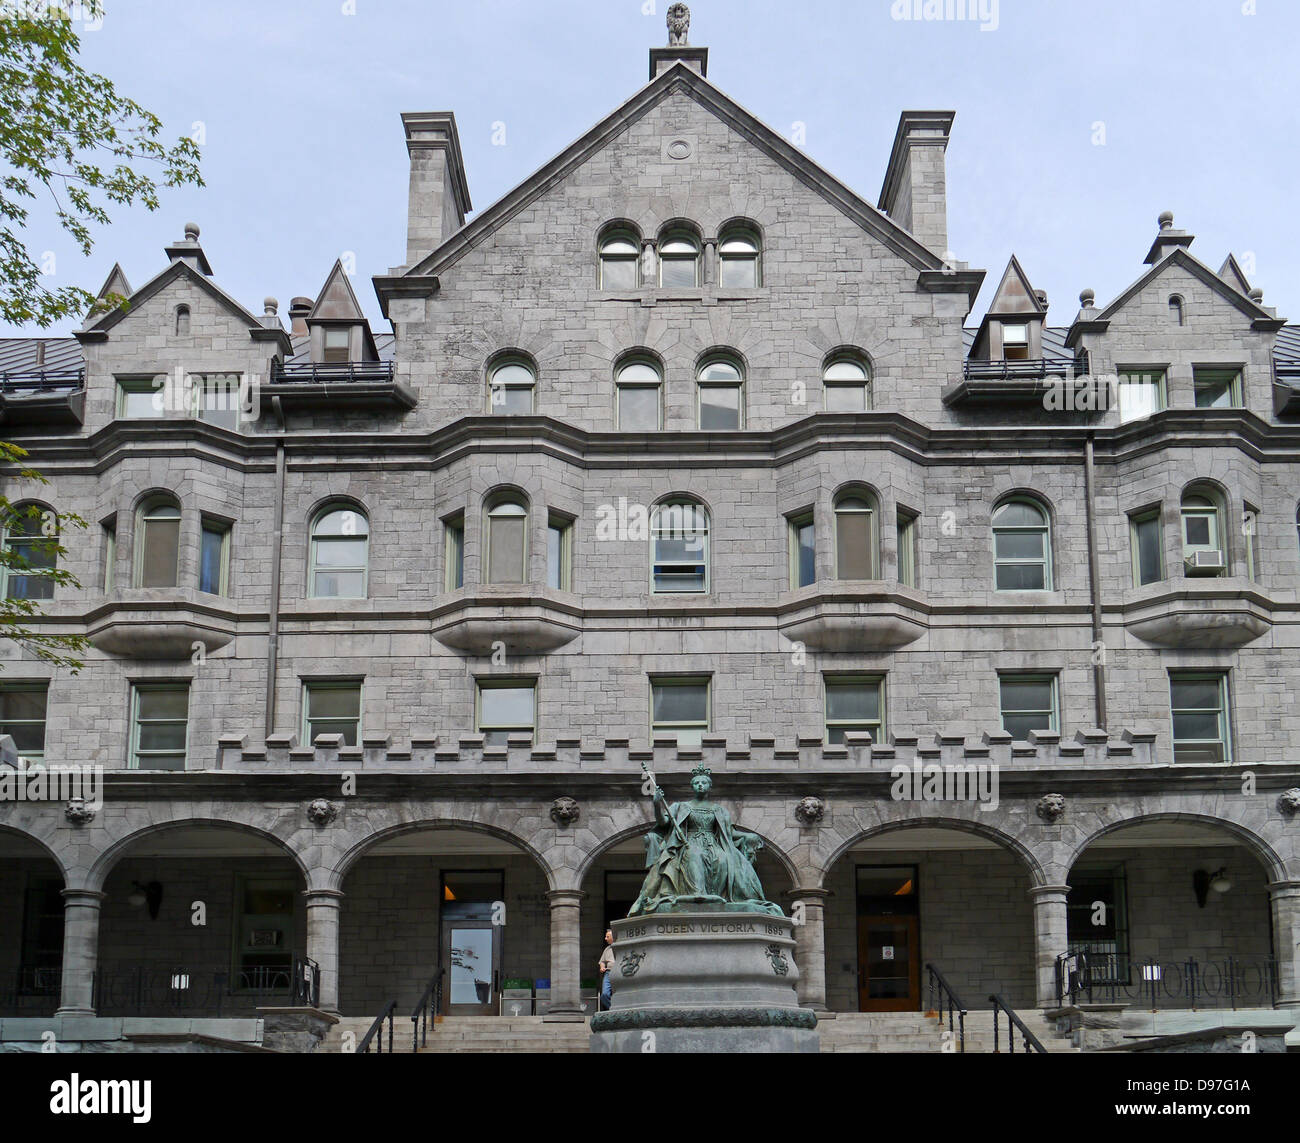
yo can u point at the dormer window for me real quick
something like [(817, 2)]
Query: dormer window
[(1015, 341), (336, 345)]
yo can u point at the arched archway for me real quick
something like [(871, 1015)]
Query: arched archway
[(31, 925)]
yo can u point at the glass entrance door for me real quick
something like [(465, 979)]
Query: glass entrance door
[(472, 951), (889, 969)]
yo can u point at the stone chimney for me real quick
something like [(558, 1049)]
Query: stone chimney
[(299, 308), (679, 49), (915, 193), (439, 196), (190, 252)]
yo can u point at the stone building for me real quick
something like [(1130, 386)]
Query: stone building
[(680, 452)]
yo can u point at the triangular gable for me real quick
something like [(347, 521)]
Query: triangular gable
[(115, 283), (679, 78), (1015, 295), (1202, 273), (161, 281), (1232, 273), (336, 301)]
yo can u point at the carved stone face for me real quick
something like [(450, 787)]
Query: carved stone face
[(701, 784)]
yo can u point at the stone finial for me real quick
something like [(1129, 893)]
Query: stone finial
[(322, 812), (1289, 802), (191, 232), (1257, 295), (565, 811), (1087, 298), (810, 810), (1051, 808), (271, 306), (1166, 219), (78, 813), (679, 26)]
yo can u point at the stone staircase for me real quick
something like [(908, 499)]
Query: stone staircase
[(848, 1032)]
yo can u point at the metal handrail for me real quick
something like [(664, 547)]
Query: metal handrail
[(329, 373), (377, 1026), (1033, 370), (949, 1002), (42, 380), (1115, 977), (1031, 1042), (426, 1011)]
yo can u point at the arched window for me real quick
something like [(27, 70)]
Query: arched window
[(507, 540), (1176, 312), (857, 547), (510, 387), (679, 539), (721, 394), (340, 553), (679, 259), (1204, 535), (740, 258), (157, 543), (638, 389), (1022, 547), (182, 321), (847, 383), (620, 260), (29, 553)]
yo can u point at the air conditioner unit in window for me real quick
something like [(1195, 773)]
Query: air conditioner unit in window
[(1204, 563)]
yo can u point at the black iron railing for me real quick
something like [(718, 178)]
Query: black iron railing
[(426, 1011), (944, 1002), (1114, 978), (375, 1036), (334, 373), (1035, 370), (142, 991), (1028, 1041), (29, 381)]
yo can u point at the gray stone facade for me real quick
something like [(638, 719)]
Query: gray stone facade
[(422, 794)]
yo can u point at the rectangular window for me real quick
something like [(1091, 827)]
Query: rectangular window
[(638, 408), (1148, 547), (159, 726), (218, 399), (559, 553), (110, 554), (1217, 388), (854, 527), (135, 398), (332, 708), (454, 537), (908, 557), (1140, 393), (803, 551), (336, 346), (264, 937), (854, 703), (1199, 702), (1028, 703), (506, 707), (720, 408), (22, 717), (1015, 342), (214, 558), (679, 708)]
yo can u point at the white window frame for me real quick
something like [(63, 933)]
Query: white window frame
[(693, 730), (706, 543), (135, 753), (504, 684), (313, 567), (320, 685), (1224, 741), (1045, 561), (833, 681), (1050, 677)]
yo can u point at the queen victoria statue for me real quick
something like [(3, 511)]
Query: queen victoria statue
[(696, 857)]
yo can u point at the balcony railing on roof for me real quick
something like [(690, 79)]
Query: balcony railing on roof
[(33, 381), (331, 373), (1035, 370)]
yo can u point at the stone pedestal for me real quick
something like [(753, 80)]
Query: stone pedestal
[(705, 981)]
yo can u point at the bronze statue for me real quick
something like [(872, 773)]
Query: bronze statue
[(696, 857)]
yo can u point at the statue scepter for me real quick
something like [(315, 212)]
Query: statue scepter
[(657, 798)]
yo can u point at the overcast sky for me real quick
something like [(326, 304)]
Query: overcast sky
[(298, 102)]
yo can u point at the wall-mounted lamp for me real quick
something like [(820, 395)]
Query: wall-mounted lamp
[(150, 895), (1203, 882)]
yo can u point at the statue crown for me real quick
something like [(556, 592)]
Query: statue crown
[(701, 770)]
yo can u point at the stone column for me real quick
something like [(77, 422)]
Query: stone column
[(566, 969), (1284, 900), (80, 951), (709, 273), (649, 263), (1050, 937), (323, 942), (810, 945)]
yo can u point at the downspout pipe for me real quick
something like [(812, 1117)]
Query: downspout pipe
[(1094, 583), (277, 532)]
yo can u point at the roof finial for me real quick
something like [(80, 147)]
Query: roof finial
[(1166, 219), (679, 25)]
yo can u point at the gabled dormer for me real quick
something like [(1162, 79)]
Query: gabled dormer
[(1012, 330), (339, 331)]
